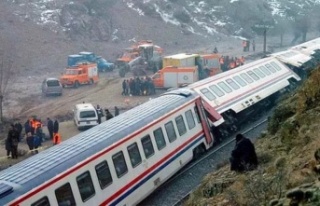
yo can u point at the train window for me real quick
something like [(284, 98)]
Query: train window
[(208, 94), (158, 135), (276, 66), (120, 164), (253, 75), (232, 84), (217, 90), (85, 186), (225, 87), (197, 114), (240, 81), (170, 131), (190, 119), (270, 68), (181, 125), (103, 174), (147, 146), (265, 70), (134, 154), (64, 195), (260, 74), (42, 202), (246, 78)]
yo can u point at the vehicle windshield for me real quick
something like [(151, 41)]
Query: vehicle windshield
[(87, 114), (72, 72), (53, 83)]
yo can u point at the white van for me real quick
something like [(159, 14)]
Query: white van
[(85, 116)]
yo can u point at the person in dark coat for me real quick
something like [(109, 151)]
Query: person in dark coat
[(13, 141), (108, 114), (27, 127), (18, 127), (99, 113), (243, 156), (116, 111), (56, 126), (50, 127), (124, 88)]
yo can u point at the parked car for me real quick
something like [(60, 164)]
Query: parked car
[(51, 86), (85, 116)]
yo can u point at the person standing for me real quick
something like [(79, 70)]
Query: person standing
[(19, 128), (56, 139), (124, 88), (50, 127), (116, 111), (253, 45), (99, 113), (55, 126), (244, 45), (13, 141)]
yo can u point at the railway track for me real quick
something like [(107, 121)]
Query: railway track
[(177, 189)]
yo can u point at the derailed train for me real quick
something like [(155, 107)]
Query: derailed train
[(123, 160)]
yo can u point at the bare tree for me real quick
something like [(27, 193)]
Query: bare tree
[(6, 71)]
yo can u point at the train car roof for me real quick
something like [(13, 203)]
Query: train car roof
[(230, 89), (53, 161), (292, 57), (308, 47)]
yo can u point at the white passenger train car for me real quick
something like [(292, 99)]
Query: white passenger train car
[(234, 91), (308, 47), (118, 162)]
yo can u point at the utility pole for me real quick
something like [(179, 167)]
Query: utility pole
[(261, 29), (265, 40)]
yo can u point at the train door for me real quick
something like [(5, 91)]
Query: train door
[(204, 122)]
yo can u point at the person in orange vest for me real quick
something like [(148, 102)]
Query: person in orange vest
[(56, 139), (244, 45), (32, 125)]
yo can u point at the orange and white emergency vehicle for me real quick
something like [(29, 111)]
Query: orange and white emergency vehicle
[(83, 73), (175, 77), (182, 69)]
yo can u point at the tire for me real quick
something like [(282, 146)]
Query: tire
[(91, 81), (76, 84)]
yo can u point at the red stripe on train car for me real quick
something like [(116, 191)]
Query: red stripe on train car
[(140, 177), (71, 170)]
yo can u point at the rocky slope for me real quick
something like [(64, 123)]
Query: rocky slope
[(288, 155), (46, 31)]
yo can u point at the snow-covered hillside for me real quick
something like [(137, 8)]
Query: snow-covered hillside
[(204, 18)]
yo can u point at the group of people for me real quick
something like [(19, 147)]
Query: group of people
[(227, 63), (246, 45), (33, 134), (138, 86), (106, 113)]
